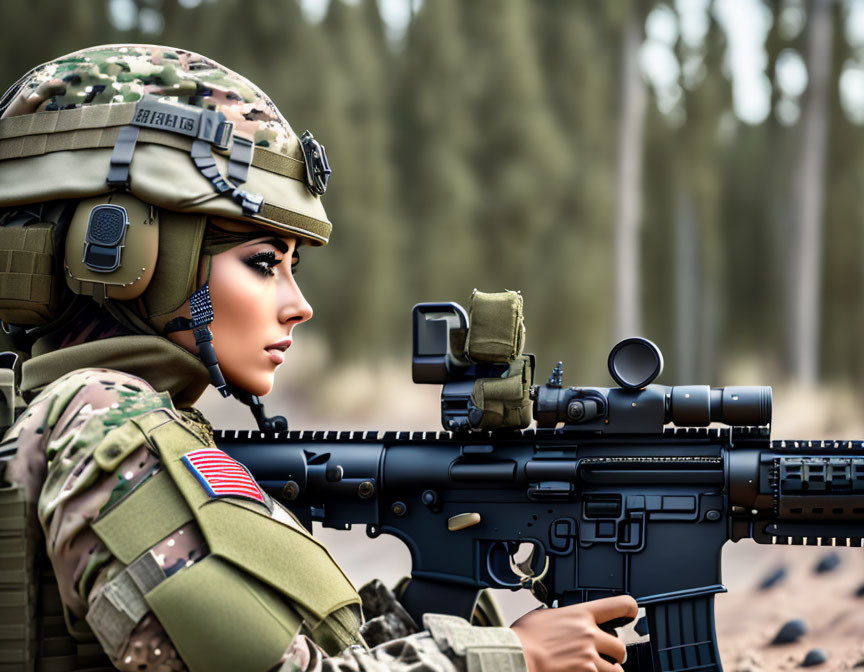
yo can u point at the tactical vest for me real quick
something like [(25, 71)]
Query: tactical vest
[(252, 602)]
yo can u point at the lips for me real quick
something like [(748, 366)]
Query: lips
[(276, 356), (276, 351)]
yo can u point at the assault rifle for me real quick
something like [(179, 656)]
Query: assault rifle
[(619, 489)]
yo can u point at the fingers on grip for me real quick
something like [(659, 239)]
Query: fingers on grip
[(609, 617), (603, 666), (611, 648), (613, 608)]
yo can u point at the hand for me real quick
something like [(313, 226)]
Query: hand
[(569, 639)]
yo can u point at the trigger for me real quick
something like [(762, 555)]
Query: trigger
[(533, 566), (524, 566)]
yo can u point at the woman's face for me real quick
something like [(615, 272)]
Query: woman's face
[(256, 303)]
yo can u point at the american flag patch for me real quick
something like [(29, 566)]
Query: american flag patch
[(222, 476)]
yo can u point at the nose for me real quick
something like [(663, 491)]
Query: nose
[(293, 306)]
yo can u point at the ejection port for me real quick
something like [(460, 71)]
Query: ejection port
[(602, 506)]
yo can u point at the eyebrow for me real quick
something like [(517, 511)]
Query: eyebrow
[(278, 243)]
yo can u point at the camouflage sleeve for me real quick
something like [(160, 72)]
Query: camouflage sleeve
[(449, 644), (57, 439)]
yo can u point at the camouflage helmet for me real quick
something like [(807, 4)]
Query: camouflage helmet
[(175, 129)]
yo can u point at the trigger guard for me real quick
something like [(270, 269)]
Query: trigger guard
[(498, 566), (498, 563)]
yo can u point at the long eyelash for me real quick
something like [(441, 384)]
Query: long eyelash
[(263, 262)]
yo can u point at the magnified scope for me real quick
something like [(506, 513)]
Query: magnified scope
[(700, 405), (640, 406)]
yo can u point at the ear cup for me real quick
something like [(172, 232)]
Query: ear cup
[(112, 246)]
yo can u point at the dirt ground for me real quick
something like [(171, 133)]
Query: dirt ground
[(748, 619), (382, 397)]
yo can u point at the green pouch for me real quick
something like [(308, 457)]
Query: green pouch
[(497, 330), (505, 401), (143, 518), (238, 623), (305, 573), (8, 395)]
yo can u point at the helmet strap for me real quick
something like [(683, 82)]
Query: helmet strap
[(202, 316), (201, 309)]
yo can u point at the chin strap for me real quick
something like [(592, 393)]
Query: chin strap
[(202, 316)]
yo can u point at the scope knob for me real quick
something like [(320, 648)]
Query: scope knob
[(582, 410), (575, 410)]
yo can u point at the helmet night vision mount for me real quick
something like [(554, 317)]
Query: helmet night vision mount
[(636, 406)]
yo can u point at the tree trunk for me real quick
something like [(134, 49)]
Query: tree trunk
[(809, 195), (686, 287), (628, 318)]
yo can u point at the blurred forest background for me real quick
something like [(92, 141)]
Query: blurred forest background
[(608, 159)]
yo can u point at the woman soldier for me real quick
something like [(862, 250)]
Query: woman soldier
[(154, 203)]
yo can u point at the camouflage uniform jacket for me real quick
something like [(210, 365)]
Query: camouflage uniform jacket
[(74, 408)]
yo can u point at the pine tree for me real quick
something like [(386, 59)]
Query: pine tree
[(809, 194), (361, 287), (437, 182), (700, 158), (519, 160)]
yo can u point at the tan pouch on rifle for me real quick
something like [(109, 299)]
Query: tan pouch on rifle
[(497, 331), (505, 401), (496, 334)]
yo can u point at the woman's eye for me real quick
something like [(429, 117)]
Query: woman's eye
[(263, 263)]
